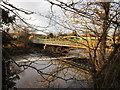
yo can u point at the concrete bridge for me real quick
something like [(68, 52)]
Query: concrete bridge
[(75, 43), (66, 43)]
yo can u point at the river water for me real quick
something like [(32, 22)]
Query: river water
[(66, 76)]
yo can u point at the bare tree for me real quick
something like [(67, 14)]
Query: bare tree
[(93, 20), (9, 74)]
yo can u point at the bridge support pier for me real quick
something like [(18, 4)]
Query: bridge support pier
[(45, 46)]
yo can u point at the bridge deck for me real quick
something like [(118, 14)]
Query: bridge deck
[(69, 43)]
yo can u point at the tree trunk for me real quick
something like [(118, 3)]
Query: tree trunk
[(106, 7)]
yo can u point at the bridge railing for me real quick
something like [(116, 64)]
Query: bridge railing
[(69, 43)]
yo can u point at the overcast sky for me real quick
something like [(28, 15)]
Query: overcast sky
[(42, 7), (38, 6)]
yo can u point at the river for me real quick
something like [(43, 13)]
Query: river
[(66, 76)]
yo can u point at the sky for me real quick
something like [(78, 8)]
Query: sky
[(39, 7)]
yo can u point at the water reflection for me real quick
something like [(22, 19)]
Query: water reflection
[(31, 79)]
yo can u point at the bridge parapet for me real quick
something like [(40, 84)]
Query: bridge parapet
[(68, 43), (59, 42)]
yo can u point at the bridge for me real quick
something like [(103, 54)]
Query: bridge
[(91, 43), (66, 43)]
